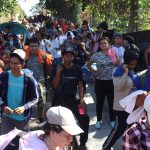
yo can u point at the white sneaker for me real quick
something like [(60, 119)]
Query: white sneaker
[(113, 124), (98, 124)]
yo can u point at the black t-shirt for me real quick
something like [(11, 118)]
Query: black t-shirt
[(69, 79), (80, 56)]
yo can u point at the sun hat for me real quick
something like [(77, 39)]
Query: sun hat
[(135, 115), (63, 117), (128, 102), (19, 52)]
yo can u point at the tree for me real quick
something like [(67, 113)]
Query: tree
[(7, 6), (68, 9), (133, 18), (121, 15), (36, 9)]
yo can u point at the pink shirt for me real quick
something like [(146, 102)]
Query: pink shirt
[(112, 54)]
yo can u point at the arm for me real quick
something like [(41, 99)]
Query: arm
[(131, 139), (89, 63), (49, 61), (80, 86), (86, 53), (32, 93), (57, 77), (120, 82), (81, 91), (6, 109)]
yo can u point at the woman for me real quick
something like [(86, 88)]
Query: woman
[(123, 85), (57, 133), (103, 84)]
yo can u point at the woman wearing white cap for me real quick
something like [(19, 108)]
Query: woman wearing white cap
[(57, 132)]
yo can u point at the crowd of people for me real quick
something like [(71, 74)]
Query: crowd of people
[(52, 62)]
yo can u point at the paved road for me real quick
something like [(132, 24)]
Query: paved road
[(96, 137)]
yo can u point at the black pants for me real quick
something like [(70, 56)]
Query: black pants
[(71, 103), (104, 88), (117, 132)]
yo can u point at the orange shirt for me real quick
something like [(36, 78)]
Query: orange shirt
[(49, 58)]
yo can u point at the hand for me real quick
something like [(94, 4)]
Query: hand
[(125, 68), (8, 110), (82, 45), (140, 100), (82, 103), (19, 110), (117, 61), (59, 68)]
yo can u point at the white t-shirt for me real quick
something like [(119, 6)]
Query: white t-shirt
[(120, 52), (44, 45), (54, 48)]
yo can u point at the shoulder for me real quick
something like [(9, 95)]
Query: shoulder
[(4, 75), (30, 78), (134, 132), (95, 55)]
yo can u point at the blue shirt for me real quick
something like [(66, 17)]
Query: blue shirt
[(15, 94)]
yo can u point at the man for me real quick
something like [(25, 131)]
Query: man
[(18, 93), (66, 78), (39, 62)]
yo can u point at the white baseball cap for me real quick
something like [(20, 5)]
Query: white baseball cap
[(63, 117), (20, 52)]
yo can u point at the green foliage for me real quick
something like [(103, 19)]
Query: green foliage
[(7, 6), (68, 9), (10, 8), (117, 13)]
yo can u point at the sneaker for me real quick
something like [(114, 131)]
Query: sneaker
[(98, 124), (113, 124)]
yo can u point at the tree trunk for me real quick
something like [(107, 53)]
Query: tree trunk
[(132, 26)]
